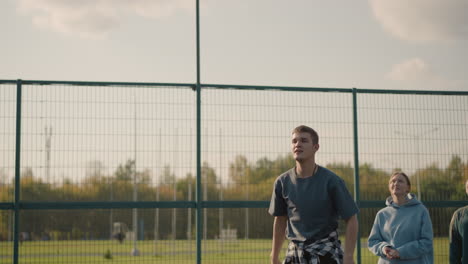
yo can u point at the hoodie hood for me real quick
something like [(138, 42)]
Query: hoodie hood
[(410, 198)]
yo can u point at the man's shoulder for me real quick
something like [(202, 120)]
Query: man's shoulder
[(458, 217), (461, 211), (286, 175), (328, 172), (329, 175)]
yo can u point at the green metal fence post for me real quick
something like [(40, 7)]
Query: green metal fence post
[(198, 90), (17, 171), (356, 169), (199, 178)]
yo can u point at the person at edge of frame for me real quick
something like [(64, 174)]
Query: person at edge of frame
[(306, 203), (458, 235), (402, 231)]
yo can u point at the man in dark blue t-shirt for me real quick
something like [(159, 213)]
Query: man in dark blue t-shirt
[(307, 202), (458, 235)]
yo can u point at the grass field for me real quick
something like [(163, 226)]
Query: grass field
[(164, 251)]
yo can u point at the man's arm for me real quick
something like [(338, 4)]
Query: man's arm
[(455, 245), (350, 239), (279, 232)]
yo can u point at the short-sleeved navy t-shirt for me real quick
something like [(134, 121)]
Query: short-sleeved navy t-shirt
[(313, 204)]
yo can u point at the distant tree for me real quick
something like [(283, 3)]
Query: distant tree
[(125, 172), (3, 178), (265, 172), (210, 178), (444, 184), (239, 169), (167, 176), (34, 189), (94, 169), (183, 187), (434, 184), (6, 195), (454, 171), (372, 181), (253, 177), (266, 169)]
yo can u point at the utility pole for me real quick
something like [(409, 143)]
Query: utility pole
[(156, 214), (111, 214), (135, 251), (174, 186), (221, 197), (48, 139), (189, 195)]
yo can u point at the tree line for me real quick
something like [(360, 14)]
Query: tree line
[(247, 181)]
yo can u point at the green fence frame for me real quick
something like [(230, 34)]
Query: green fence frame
[(17, 205)]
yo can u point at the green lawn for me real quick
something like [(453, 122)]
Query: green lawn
[(165, 251)]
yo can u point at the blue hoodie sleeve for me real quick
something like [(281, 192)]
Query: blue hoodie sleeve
[(376, 242), (421, 246)]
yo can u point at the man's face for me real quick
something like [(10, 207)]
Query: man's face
[(302, 147)]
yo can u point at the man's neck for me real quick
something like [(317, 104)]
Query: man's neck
[(305, 169)]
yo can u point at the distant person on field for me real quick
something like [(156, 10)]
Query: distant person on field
[(402, 231), (307, 201), (459, 235)]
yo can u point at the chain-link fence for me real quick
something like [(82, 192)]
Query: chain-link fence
[(146, 173)]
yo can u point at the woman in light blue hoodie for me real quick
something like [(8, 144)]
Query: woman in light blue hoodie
[(402, 231)]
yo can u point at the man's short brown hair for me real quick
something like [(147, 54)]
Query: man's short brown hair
[(306, 129)]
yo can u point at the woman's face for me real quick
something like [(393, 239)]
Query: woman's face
[(398, 185)]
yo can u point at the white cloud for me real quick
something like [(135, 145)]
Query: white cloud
[(161, 8), (415, 73), (95, 18), (412, 70), (423, 20)]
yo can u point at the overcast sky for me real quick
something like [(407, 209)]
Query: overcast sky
[(397, 44)]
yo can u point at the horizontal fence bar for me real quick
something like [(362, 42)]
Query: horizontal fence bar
[(105, 205), (279, 88), (419, 92), (429, 204), (331, 89), (86, 83), (188, 204), (236, 204), (439, 204), (240, 87), (7, 206), (130, 204)]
